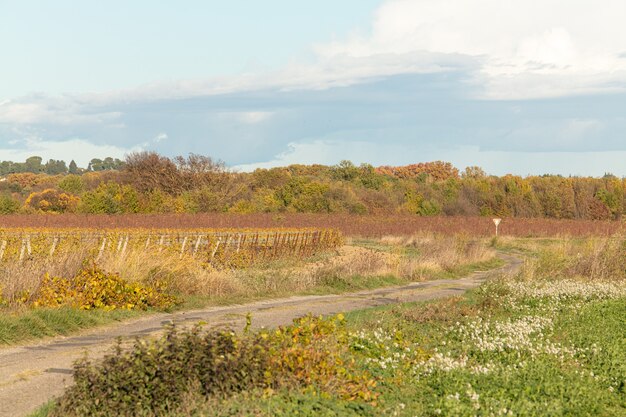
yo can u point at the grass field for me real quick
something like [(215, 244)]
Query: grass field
[(97, 277), (549, 341)]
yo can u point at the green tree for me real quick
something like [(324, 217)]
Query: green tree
[(8, 205), (55, 167), (72, 184), (110, 198), (33, 164), (73, 169), (345, 171)]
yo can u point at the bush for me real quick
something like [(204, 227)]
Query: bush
[(155, 377), (51, 200), (8, 205), (73, 184), (94, 288)]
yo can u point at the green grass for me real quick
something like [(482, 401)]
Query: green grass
[(506, 348), (29, 324), (44, 410), (462, 270), (588, 382), (585, 384)]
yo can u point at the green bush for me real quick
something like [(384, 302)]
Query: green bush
[(8, 205), (155, 377)]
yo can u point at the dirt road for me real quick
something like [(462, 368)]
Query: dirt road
[(31, 375)]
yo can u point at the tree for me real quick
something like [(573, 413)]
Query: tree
[(72, 184), (149, 171), (8, 205), (110, 198), (473, 172), (73, 167), (33, 164), (345, 171), (50, 200), (55, 167)]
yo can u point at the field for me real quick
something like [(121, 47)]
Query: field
[(59, 280), (541, 342), (349, 225), (547, 341), (213, 246)]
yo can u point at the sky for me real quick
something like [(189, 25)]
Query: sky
[(532, 87)]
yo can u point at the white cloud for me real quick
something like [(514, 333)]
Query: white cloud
[(160, 137), (524, 46), (247, 117), (62, 110), (513, 49)]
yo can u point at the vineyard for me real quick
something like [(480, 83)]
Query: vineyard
[(217, 247), (350, 225)]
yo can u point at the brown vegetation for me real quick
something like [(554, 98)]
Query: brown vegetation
[(350, 225)]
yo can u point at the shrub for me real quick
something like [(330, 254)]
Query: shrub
[(8, 205), (73, 184), (94, 288), (51, 200), (155, 376)]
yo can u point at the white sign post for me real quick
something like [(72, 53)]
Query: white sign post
[(497, 222)]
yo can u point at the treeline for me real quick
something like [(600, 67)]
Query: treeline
[(147, 182), (35, 165)]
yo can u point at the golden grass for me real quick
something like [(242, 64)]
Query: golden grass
[(586, 258), (436, 253), (401, 259), (21, 280)]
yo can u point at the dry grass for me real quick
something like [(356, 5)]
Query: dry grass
[(182, 275), (589, 259), (391, 260), (21, 280), (437, 253)]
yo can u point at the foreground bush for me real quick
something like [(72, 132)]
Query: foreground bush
[(156, 376)]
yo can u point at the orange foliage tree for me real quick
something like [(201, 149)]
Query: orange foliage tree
[(51, 200)]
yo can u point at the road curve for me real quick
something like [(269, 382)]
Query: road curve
[(31, 375)]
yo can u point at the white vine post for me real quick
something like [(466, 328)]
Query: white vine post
[(497, 223)]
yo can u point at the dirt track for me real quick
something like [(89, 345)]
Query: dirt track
[(31, 375)]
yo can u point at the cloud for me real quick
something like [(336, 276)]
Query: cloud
[(62, 110), (416, 117), (432, 79), (247, 117), (160, 137), (526, 49)]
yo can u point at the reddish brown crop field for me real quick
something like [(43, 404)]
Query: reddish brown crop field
[(351, 225)]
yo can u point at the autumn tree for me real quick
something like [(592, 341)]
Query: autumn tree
[(51, 200)]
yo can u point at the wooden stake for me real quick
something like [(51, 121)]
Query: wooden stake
[(125, 244), (197, 245), (104, 242), (182, 247), (54, 245), (219, 240), (22, 249)]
